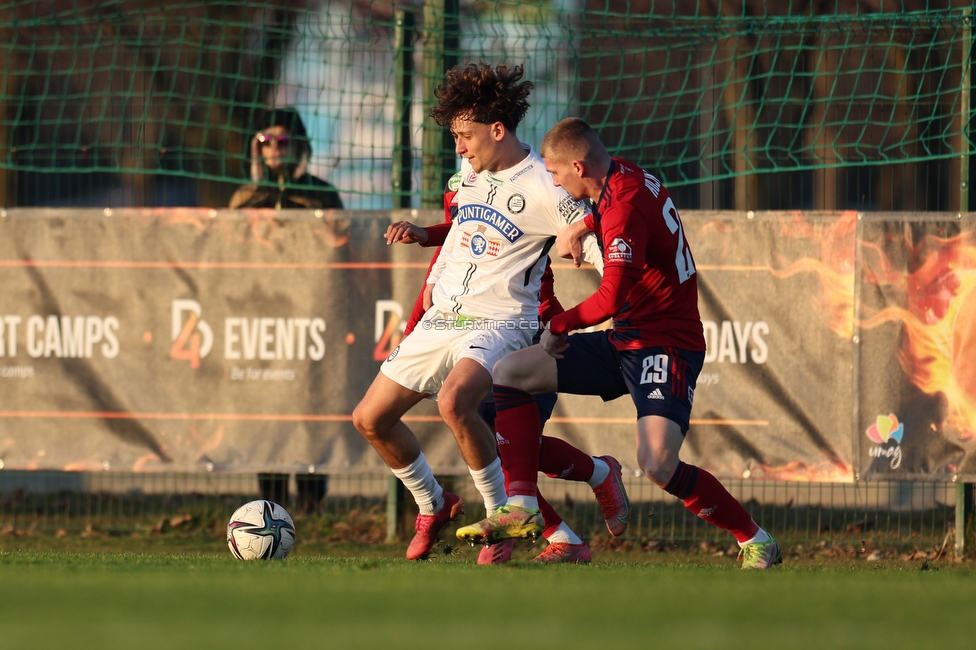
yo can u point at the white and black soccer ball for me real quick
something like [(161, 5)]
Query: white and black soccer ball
[(260, 530)]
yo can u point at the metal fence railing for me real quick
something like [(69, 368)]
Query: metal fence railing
[(356, 507)]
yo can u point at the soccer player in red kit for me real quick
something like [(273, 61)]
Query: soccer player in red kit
[(654, 352)]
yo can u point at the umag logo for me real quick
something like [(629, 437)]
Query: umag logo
[(885, 428)]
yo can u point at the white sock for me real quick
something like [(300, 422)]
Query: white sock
[(419, 479), (529, 503), (601, 470), (564, 535), (490, 483), (761, 536)]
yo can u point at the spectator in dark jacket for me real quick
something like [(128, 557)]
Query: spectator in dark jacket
[(280, 152)]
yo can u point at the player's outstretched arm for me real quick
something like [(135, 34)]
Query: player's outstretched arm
[(405, 232), (569, 241), (605, 303)]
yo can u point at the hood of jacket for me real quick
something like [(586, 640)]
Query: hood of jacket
[(301, 148)]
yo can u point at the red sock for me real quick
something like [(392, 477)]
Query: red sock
[(550, 517), (705, 497), (517, 422), (559, 459)]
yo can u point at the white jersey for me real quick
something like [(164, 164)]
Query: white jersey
[(492, 261)]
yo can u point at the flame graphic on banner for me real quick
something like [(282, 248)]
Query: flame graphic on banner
[(940, 339), (939, 317), (205, 443), (838, 472), (835, 268), (143, 461), (80, 466)]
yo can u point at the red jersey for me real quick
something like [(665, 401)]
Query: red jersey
[(649, 286)]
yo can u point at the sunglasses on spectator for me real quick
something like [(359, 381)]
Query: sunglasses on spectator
[(270, 139)]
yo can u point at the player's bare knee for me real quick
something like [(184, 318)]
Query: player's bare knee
[(453, 407), (657, 475), (509, 372), (364, 422), (449, 412), (658, 470)]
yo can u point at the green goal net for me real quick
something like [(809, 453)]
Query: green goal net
[(744, 105)]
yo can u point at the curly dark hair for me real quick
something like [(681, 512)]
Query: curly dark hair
[(478, 92)]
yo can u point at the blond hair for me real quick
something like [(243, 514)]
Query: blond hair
[(572, 139)]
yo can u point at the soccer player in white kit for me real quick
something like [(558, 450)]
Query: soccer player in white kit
[(484, 294)]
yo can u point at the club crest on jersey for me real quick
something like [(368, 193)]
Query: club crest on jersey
[(620, 251), (472, 177), (516, 203), (482, 214), (479, 244)]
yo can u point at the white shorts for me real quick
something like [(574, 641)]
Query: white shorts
[(423, 359)]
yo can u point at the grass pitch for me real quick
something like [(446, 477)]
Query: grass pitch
[(106, 600)]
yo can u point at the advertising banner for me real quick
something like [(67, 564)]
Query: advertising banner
[(916, 352), (191, 340), (774, 399), (201, 340)]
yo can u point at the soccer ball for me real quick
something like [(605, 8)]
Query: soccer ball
[(260, 530)]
